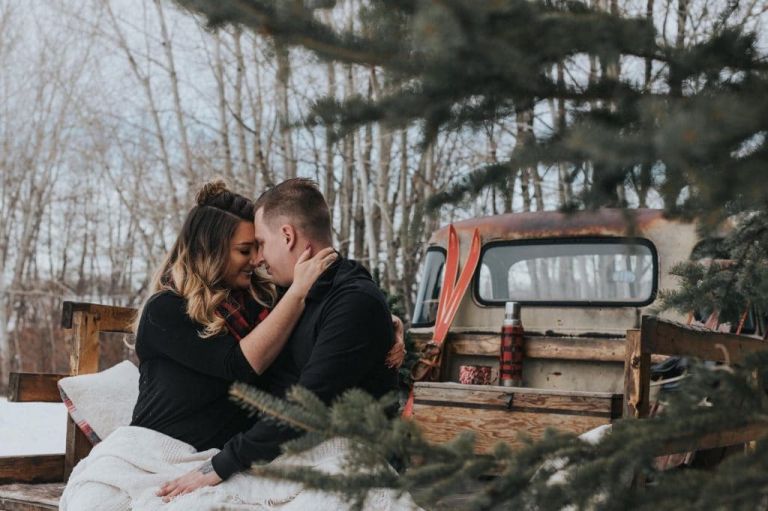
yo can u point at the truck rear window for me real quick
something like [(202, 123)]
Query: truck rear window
[(425, 309), (597, 271)]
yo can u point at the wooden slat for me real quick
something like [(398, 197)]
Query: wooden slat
[(564, 348), (637, 377), (84, 358), (32, 469), (30, 497), (77, 447), (515, 399), (451, 387), (26, 387), (440, 424), (669, 338), (111, 318), (734, 436)]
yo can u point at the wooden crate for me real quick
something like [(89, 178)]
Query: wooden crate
[(497, 413)]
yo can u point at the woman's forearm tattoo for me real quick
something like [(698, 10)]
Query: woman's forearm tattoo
[(206, 468)]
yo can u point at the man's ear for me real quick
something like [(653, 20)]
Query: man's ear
[(288, 235)]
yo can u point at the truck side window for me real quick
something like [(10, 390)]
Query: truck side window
[(425, 309)]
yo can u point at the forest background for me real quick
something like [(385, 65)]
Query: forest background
[(112, 113)]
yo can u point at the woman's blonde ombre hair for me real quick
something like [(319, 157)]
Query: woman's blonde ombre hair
[(195, 266)]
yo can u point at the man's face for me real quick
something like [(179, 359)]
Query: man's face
[(274, 250)]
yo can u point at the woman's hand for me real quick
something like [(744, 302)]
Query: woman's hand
[(396, 354), (204, 475), (308, 269)]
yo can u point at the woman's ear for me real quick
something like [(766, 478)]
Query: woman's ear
[(288, 234)]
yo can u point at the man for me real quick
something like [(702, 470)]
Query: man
[(340, 342)]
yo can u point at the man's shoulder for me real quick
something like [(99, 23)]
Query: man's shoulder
[(353, 280)]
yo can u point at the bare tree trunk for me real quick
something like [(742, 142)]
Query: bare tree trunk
[(347, 179), (524, 119), (387, 213), (264, 177), (366, 196), (221, 88), (645, 180), (174, 79), (358, 225), (564, 186), (246, 174), (525, 188), (283, 81), (330, 147), (405, 241)]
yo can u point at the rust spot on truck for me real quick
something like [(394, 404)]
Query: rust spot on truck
[(554, 224)]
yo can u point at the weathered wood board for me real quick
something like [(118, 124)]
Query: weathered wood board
[(32, 469), (30, 497), (34, 387), (504, 413)]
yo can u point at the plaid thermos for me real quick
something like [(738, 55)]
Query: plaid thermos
[(512, 346)]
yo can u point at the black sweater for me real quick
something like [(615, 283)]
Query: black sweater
[(184, 380), (340, 342)]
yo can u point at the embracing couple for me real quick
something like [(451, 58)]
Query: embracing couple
[(254, 292)]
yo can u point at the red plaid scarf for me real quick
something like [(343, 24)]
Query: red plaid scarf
[(242, 313)]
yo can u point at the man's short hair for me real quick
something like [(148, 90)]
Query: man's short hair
[(301, 201)]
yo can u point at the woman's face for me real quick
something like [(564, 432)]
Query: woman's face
[(242, 257)]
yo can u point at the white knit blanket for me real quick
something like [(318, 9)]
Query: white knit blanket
[(124, 471)]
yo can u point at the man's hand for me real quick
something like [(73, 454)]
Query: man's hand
[(204, 475)]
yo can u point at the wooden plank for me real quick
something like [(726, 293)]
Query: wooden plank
[(520, 399), (733, 436), (32, 469), (77, 447), (30, 497), (563, 348), (26, 387), (670, 338), (84, 358), (441, 424), (637, 377), (111, 318), (451, 386)]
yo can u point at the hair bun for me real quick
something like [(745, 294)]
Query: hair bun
[(211, 191)]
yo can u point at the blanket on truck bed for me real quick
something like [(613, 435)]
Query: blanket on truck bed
[(124, 471)]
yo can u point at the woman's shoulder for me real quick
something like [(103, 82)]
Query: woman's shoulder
[(165, 304), (164, 298)]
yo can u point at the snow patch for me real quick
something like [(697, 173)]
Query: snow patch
[(32, 428)]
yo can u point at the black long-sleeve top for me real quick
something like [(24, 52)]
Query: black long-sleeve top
[(340, 342), (184, 380)]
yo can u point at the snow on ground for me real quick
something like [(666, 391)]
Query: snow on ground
[(32, 428)]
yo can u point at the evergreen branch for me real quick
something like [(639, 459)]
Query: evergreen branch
[(273, 407)]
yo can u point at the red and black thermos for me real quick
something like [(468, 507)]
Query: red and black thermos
[(512, 346)]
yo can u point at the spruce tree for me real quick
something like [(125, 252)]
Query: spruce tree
[(698, 133)]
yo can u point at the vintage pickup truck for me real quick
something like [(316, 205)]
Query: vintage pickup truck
[(584, 280)]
